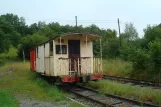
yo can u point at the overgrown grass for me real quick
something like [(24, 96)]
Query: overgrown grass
[(51, 90), (9, 56), (127, 90), (7, 99), (21, 81), (17, 79), (117, 67)]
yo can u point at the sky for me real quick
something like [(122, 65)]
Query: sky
[(103, 13)]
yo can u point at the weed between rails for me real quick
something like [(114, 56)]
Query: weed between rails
[(127, 90)]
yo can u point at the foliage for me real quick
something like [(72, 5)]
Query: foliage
[(130, 32), (48, 32), (155, 55), (5, 30), (140, 59), (10, 55), (28, 42), (144, 53), (111, 49), (127, 52), (152, 33), (110, 44), (15, 21)]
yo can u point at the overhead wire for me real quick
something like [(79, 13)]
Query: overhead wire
[(73, 21), (81, 22)]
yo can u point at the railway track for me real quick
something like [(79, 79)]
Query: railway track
[(105, 100), (134, 81)]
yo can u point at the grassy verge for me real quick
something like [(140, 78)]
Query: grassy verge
[(9, 56), (127, 90), (21, 81), (117, 67), (7, 99)]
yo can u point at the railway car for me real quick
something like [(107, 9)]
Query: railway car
[(68, 57)]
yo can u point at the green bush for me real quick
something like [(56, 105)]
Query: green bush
[(127, 53), (155, 55), (141, 59), (147, 59), (111, 48)]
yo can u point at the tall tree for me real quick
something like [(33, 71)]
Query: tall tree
[(41, 25), (5, 29), (152, 33), (130, 32), (33, 28)]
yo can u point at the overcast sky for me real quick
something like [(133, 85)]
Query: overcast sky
[(103, 13)]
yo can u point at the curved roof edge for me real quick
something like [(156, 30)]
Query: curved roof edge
[(95, 37)]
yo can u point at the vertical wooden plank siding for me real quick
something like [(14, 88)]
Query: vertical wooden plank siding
[(42, 62), (33, 59)]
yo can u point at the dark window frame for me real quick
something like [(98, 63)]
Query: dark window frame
[(51, 50), (37, 52), (64, 49)]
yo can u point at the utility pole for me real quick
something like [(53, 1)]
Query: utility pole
[(119, 32), (23, 56), (76, 23), (76, 20)]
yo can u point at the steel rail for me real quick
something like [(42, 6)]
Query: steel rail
[(122, 98), (70, 90)]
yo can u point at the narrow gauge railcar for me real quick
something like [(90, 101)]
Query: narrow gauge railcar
[(68, 57)]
